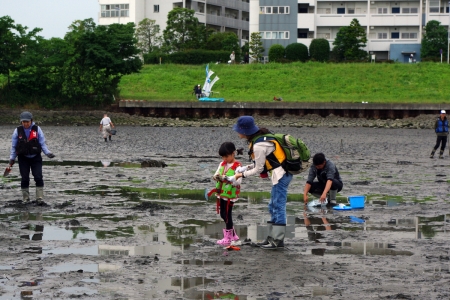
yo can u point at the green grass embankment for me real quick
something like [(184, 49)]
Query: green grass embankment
[(296, 82)]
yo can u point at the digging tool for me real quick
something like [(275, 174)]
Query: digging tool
[(7, 171)]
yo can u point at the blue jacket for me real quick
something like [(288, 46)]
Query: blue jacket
[(15, 139), (441, 126)]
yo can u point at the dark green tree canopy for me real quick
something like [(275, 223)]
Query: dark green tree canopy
[(15, 42), (297, 52), (276, 52), (319, 50), (434, 39), (183, 31), (350, 41)]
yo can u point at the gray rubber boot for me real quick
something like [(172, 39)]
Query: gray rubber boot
[(277, 239), (39, 193), (441, 154), (266, 240), (332, 198), (432, 153), (25, 195)]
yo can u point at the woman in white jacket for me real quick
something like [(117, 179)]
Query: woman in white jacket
[(246, 129)]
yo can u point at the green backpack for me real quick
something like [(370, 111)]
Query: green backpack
[(295, 149)]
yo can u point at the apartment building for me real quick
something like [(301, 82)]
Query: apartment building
[(394, 28), (220, 15)]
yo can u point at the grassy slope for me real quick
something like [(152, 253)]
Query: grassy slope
[(297, 82)]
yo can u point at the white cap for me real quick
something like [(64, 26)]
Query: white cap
[(443, 112)]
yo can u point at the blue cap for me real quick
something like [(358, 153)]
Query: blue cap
[(245, 125)]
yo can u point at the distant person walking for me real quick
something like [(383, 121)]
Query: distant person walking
[(28, 142), (232, 58), (441, 129), (246, 58), (105, 127)]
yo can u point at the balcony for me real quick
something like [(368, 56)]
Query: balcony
[(227, 22), (443, 18), (396, 20), (306, 21), (339, 19), (233, 4)]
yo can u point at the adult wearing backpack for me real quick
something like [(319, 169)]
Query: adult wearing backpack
[(28, 142), (441, 129), (328, 180), (264, 155)]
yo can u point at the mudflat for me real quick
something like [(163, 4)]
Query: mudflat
[(111, 229)]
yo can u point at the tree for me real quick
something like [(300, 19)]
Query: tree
[(276, 52), (256, 46), (297, 52), (183, 30), (319, 50), (98, 56), (349, 42), (148, 36), (227, 41), (14, 44), (434, 39)]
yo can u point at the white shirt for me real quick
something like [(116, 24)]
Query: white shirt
[(105, 121), (261, 150)]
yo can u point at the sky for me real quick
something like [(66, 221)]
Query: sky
[(53, 16)]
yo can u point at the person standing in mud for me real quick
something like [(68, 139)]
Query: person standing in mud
[(264, 154), (328, 180), (28, 141), (227, 192), (441, 129), (105, 127)]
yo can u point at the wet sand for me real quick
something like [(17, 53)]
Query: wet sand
[(395, 248)]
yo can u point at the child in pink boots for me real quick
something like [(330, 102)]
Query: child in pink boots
[(227, 191)]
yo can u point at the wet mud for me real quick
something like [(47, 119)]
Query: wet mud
[(113, 227)]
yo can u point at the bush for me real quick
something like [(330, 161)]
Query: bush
[(319, 50), (297, 52), (189, 57), (276, 52)]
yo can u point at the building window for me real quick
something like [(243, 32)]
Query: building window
[(414, 10), (351, 11), (275, 35), (405, 10), (395, 35), (396, 10), (274, 10), (156, 8), (341, 10), (382, 10), (409, 35), (382, 35), (115, 10)]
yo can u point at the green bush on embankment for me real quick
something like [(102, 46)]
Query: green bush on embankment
[(295, 82)]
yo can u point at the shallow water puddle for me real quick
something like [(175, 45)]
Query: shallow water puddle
[(55, 233), (71, 267), (359, 248), (77, 291)]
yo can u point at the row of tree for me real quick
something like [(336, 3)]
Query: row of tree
[(350, 43)]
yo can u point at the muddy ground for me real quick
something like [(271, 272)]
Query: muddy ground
[(126, 232)]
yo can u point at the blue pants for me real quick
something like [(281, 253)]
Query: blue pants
[(35, 165), (278, 200)]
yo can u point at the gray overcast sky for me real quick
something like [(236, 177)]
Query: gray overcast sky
[(53, 16)]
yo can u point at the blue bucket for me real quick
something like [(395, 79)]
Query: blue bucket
[(356, 201)]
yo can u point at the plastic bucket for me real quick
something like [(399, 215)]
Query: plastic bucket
[(356, 201), (113, 131)]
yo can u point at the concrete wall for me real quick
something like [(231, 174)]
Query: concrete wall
[(401, 52)]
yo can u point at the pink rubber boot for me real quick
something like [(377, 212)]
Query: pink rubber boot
[(227, 235), (234, 236)]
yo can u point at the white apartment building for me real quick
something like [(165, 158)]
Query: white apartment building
[(221, 15), (394, 28)]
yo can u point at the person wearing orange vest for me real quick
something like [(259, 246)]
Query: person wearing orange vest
[(227, 192), (267, 157)]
